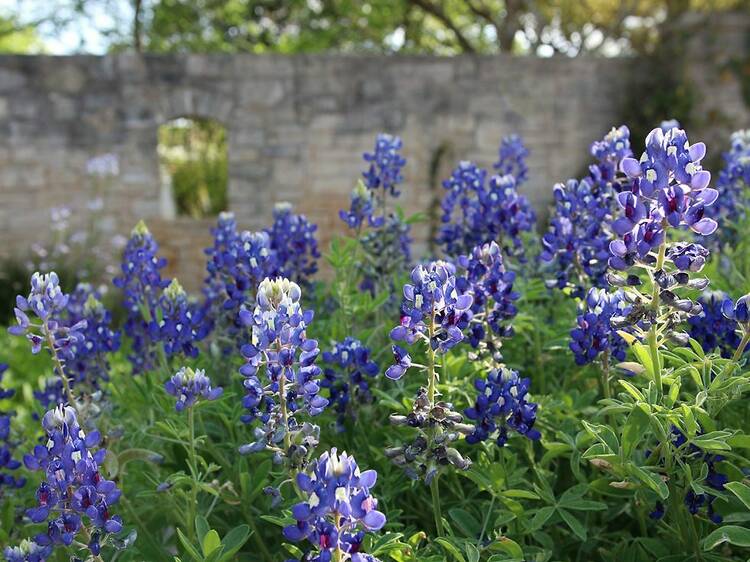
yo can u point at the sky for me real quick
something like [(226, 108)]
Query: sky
[(81, 34)]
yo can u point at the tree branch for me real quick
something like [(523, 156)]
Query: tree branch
[(438, 13)]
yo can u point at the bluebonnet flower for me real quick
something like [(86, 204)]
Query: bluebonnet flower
[(141, 284), (27, 551), (711, 328), (280, 344), (237, 263), (8, 465), (188, 386), (491, 287), (502, 403), (362, 210), (88, 356), (594, 333), (609, 153), (292, 238), (384, 174), (512, 159), (668, 189), (74, 496), (733, 186), (388, 252), (738, 311), (476, 211), (346, 377), (432, 310), (338, 511), (669, 124), (577, 243), (178, 324)]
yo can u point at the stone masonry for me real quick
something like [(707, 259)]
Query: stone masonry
[(297, 127)]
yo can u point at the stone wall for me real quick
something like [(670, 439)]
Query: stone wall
[(297, 128)]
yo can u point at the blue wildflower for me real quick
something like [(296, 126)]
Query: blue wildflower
[(27, 551), (502, 403), (292, 238), (8, 465), (280, 344), (346, 377), (188, 386), (338, 509), (512, 159), (178, 324), (384, 174), (594, 333)]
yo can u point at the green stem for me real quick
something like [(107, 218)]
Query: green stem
[(193, 498), (60, 369), (652, 337), (435, 493), (605, 375)]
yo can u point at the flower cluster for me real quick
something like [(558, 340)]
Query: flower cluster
[(349, 366), (46, 302), (609, 153), (512, 159), (8, 465), (712, 329), (338, 511), (476, 211), (493, 298), (73, 493), (178, 324), (141, 284), (237, 263), (384, 174), (668, 189), (733, 186), (27, 551), (362, 209), (438, 426), (502, 403), (280, 343), (292, 238), (577, 242), (188, 386), (88, 357), (594, 333), (433, 311)]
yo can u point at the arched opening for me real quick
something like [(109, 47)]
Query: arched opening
[(193, 165), (441, 165)]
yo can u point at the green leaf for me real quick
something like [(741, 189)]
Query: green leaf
[(632, 390), (651, 479), (451, 548), (472, 553), (741, 491), (210, 542), (575, 525), (633, 431), (541, 517), (201, 527), (508, 546), (522, 494), (465, 521), (189, 548), (732, 534)]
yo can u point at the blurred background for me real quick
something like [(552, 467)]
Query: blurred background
[(175, 110)]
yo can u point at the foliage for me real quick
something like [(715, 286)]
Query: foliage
[(484, 436)]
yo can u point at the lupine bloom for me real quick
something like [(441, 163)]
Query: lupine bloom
[(594, 333), (237, 263), (46, 302), (432, 310), (362, 210), (669, 189), (476, 211), (512, 159), (178, 324), (733, 186), (338, 510), (738, 311), (189, 385), (711, 328), (88, 358), (502, 403), (74, 493), (141, 284), (346, 377), (280, 344), (292, 238), (384, 173), (27, 551), (8, 465), (491, 286), (103, 165), (577, 243)]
